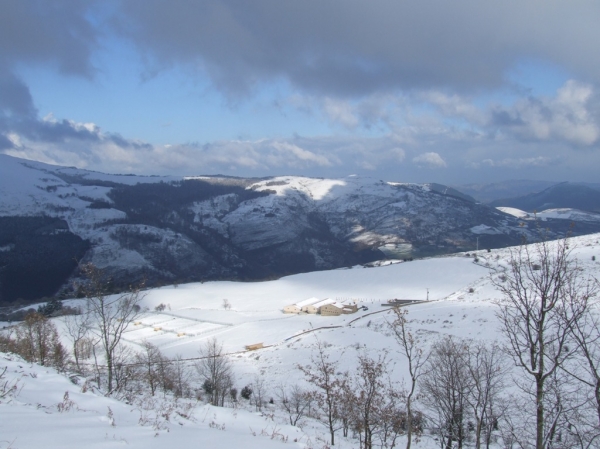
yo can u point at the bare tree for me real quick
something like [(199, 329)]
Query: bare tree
[(584, 368), (125, 373), (259, 389), (371, 396), (111, 315), (323, 374), (487, 372), (445, 386), (78, 327), (214, 369), (544, 296), (296, 402), (148, 360), (37, 341), (181, 377), (412, 349)]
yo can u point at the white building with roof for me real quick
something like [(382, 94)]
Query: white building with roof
[(300, 306), (314, 308)]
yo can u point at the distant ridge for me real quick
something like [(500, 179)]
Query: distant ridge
[(563, 195)]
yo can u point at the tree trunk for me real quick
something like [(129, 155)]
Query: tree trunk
[(409, 420), (109, 368), (539, 397), (478, 432)]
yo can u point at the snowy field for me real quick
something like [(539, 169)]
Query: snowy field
[(458, 299)]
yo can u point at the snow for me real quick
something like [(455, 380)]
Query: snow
[(460, 302), (568, 214), (484, 229), (324, 302), (307, 302), (38, 415), (556, 214), (33, 188), (514, 212)]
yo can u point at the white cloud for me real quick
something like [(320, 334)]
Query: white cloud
[(287, 149), (341, 112), (430, 160), (518, 163), (567, 116), (454, 106)]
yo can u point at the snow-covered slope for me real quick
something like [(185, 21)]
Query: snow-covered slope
[(514, 212), (48, 410), (569, 214), (574, 215), (458, 300)]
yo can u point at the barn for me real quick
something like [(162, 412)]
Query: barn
[(314, 308), (300, 306), (333, 309), (292, 308)]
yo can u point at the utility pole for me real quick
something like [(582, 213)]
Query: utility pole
[(427, 294)]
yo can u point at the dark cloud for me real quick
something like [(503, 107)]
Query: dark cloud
[(357, 47), (15, 98), (34, 32), (56, 32), (502, 118)]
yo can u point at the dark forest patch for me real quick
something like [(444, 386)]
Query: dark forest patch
[(38, 255)]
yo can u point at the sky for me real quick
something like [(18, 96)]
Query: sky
[(429, 91)]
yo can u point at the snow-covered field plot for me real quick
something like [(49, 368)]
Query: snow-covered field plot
[(256, 307), (164, 330)]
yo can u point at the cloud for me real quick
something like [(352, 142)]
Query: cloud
[(85, 145), (358, 49), (570, 116), (300, 154), (519, 163), (403, 81), (430, 160), (57, 32), (340, 112)]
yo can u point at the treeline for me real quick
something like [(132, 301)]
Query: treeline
[(152, 203), (37, 255)]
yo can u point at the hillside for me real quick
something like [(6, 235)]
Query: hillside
[(172, 230), (458, 300)]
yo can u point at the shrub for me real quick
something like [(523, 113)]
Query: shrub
[(246, 392)]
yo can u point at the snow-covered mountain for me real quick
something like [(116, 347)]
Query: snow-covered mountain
[(173, 230)]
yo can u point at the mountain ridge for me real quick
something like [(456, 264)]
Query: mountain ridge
[(169, 230)]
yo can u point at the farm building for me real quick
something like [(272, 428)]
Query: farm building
[(314, 308), (292, 308), (316, 305), (350, 308), (333, 309), (337, 308), (300, 306)]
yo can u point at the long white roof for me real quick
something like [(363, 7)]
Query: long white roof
[(307, 302), (324, 302), (337, 304)]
